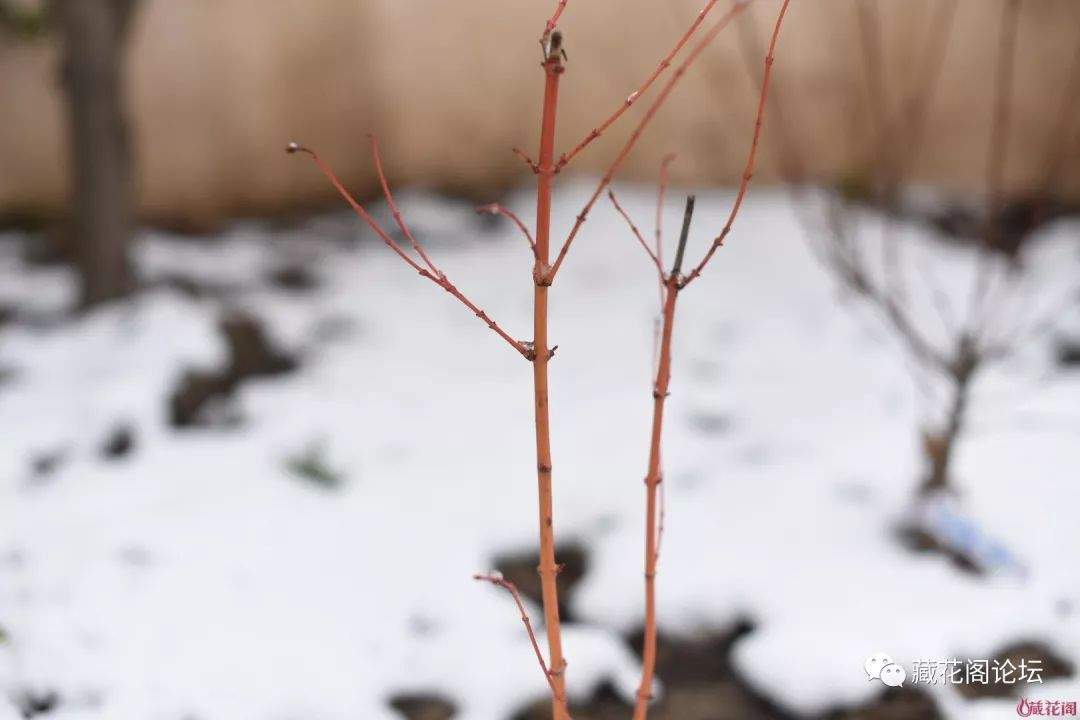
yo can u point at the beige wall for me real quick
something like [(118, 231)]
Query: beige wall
[(218, 86)]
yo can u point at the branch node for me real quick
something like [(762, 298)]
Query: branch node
[(542, 275)]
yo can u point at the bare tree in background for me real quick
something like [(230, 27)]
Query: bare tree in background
[(952, 344), (94, 34)]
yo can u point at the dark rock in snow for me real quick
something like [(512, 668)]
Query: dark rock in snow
[(45, 464), (251, 355), (423, 707), (1068, 353), (294, 278), (32, 703), (699, 679), (121, 442), (1033, 654)]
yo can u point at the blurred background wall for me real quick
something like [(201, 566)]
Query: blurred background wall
[(217, 87)]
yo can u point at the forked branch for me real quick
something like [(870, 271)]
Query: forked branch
[(394, 208), (655, 474), (633, 97), (699, 48), (431, 272), (499, 581), (637, 234)]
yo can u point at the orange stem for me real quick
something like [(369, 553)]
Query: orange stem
[(655, 476), (652, 483), (548, 568)]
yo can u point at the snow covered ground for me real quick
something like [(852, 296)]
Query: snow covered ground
[(200, 577)]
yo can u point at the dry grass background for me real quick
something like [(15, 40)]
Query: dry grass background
[(218, 86)]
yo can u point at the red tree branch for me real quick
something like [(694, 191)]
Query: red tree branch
[(499, 581), (655, 474), (553, 22), (702, 44), (633, 97), (394, 208), (528, 160), (434, 276), (637, 234), (661, 192), (748, 172), (497, 209)]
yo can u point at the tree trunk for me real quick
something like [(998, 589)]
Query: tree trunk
[(939, 446), (102, 171)]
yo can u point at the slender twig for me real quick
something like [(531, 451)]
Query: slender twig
[(498, 580), (528, 160), (359, 209), (702, 44), (661, 191), (417, 247), (940, 299), (633, 97), (655, 474), (441, 280), (548, 567), (497, 209), (688, 215), (748, 171), (553, 22), (637, 234), (788, 159)]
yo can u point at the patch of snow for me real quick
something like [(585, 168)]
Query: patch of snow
[(200, 577)]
